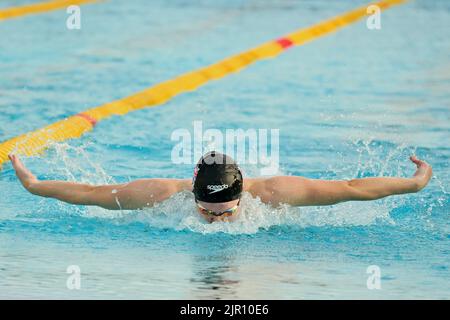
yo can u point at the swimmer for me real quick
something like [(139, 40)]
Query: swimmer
[(218, 184)]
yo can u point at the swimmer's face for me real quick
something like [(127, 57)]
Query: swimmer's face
[(203, 207)]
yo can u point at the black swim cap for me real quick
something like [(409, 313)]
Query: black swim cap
[(217, 178)]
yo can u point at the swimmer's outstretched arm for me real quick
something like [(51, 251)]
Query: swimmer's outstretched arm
[(127, 196), (300, 191)]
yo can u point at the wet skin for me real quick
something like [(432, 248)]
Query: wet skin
[(291, 190)]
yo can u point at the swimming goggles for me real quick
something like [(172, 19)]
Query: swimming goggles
[(228, 212)]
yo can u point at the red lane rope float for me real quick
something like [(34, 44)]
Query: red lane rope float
[(73, 127), (87, 117), (285, 43)]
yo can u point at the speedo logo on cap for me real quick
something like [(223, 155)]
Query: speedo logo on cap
[(216, 187)]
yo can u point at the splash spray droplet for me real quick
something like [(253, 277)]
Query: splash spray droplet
[(118, 203)]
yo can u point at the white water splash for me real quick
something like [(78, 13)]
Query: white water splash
[(179, 213), (74, 163)]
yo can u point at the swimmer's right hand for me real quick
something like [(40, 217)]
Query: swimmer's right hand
[(25, 176)]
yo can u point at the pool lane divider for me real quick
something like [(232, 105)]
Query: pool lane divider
[(35, 142), (40, 7)]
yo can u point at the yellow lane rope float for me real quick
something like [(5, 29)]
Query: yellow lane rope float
[(39, 7), (73, 127)]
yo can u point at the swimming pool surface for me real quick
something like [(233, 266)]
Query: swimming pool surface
[(356, 103)]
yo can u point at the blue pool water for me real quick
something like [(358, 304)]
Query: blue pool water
[(356, 103)]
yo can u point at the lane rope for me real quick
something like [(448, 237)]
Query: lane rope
[(33, 143), (40, 7)]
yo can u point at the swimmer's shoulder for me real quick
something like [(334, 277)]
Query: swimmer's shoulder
[(167, 185), (183, 184), (274, 189), (259, 187), (254, 186)]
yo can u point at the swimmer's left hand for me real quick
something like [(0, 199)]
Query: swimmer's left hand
[(423, 173), (25, 176)]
